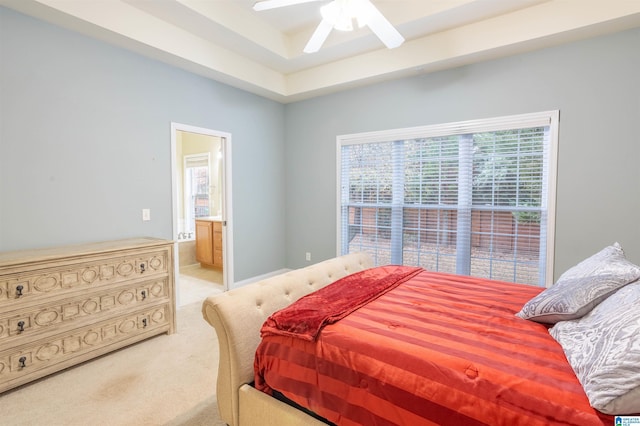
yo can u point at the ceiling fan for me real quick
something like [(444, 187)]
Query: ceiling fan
[(339, 15)]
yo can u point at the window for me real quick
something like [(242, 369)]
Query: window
[(472, 198), (196, 188)]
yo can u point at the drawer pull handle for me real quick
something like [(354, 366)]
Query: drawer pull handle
[(144, 322), (144, 294), (20, 327), (142, 268), (19, 290), (23, 361)]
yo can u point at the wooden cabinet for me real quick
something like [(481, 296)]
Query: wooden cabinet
[(63, 306), (204, 242), (209, 243)]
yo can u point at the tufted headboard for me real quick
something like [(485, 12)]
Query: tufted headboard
[(238, 315)]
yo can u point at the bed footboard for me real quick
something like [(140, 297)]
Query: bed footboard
[(238, 315), (258, 408)]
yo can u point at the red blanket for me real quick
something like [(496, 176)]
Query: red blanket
[(306, 317)]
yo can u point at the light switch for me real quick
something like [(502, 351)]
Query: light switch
[(146, 214)]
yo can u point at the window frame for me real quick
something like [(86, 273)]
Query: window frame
[(201, 159), (545, 118)]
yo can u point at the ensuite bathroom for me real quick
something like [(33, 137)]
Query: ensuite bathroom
[(199, 207)]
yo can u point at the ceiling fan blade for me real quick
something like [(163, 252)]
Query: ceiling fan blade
[(382, 27), (319, 36), (273, 4)]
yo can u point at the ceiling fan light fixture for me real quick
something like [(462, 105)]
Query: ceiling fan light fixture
[(338, 16), (361, 11), (341, 13)]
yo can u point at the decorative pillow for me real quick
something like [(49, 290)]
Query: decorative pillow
[(603, 348), (582, 287)]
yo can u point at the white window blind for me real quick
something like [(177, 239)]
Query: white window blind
[(472, 198)]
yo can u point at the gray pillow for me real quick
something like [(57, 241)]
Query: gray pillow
[(582, 287), (603, 348)]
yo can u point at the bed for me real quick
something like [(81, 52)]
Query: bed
[(410, 347)]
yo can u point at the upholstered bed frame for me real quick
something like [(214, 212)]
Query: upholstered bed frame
[(237, 317)]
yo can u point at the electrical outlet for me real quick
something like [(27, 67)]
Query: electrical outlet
[(308, 257), (146, 214)]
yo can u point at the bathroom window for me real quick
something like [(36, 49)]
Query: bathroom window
[(196, 188)]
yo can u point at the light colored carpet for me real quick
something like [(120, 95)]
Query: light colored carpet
[(197, 283), (166, 380)]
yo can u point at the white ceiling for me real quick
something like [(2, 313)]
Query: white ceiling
[(261, 52)]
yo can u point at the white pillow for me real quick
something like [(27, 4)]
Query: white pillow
[(582, 287), (603, 348)]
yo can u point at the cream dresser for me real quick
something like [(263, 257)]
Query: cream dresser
[(62, 306)]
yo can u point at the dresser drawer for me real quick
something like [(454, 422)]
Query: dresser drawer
[(42, 281), (72, 312), (24, 363)]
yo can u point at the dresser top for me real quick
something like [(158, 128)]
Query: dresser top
[(11, 258)]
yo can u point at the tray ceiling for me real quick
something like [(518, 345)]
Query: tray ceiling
[(262, 52)]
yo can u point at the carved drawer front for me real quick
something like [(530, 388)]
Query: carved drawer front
[(65, 312), (89, 274), (45, 354)]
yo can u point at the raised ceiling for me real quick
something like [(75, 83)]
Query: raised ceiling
[(262, 52)]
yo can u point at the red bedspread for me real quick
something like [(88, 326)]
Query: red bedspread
[(435, 349), (305, 318)]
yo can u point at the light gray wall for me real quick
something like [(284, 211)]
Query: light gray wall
[(593, 83), (85, 145), (85, 142)]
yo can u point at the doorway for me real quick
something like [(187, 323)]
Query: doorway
[(201, 190)]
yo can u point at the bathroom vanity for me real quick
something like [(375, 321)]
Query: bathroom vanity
[(209, 241)]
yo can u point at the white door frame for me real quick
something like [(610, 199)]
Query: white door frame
[(227, 216)]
